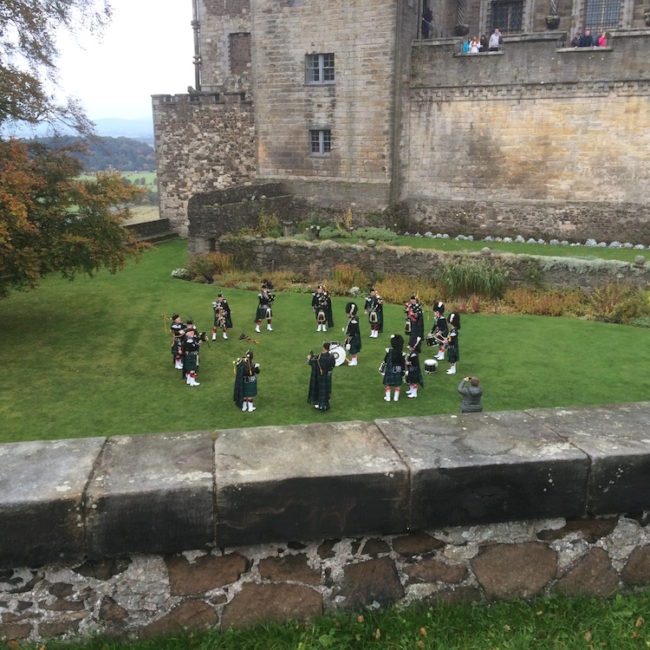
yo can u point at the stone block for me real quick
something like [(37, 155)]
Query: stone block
[(637, 568), (307, 481), (152, 494), (204, 574), (368, 582), (41, 494), (617, 440), (289, 568), (485, 468), (592, 575)]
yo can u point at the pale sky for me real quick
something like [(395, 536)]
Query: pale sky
[(146, 49)]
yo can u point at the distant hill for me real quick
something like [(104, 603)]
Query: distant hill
[(101, 153)]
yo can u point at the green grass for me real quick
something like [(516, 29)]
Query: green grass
[(91, 357), (453, 246), (552, 623)]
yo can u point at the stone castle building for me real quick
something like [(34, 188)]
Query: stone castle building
[(344, 103)]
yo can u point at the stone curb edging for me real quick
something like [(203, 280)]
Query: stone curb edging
[(173, 492)]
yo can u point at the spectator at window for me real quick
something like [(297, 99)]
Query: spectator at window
[(586, 40), (495, 40), (602, 40), (484, 43), (474, 45), (575, 41), (427, 22), (465, 48)]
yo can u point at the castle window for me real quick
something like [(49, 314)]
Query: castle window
[(507, 15), (319, 68), (600, 14), (321, 141)]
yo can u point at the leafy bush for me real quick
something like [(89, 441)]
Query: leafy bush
[(333, 232), (379, 234), (616, 303), (467, 277), (545, 303), (398, 289), (346, 276), (268, 224), (210, 265)]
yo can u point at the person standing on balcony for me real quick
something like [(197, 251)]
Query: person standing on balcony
[(495, 40)]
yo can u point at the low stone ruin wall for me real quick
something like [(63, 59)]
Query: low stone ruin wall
[(149, 533), (559, 272)]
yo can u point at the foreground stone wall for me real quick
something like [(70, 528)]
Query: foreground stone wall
[(232, 587), (203, 143), (533, 139), (390, 260)]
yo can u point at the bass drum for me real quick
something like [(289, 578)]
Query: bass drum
[(338, 352)]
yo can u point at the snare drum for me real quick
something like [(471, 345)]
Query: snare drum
[(430, 366)]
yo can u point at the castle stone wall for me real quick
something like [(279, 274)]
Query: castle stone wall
[(556, 140), (203, 143), (358, 107)]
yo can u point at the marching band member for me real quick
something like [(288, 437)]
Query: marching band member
[(322, 305), (191, 345), (246, 382), (394, 366), (414, 326), (374, 307), (352, 333), (222, 317), (413, 372), (320, 381), (178, 333), (452, 345), (265, 300), (440, 330)]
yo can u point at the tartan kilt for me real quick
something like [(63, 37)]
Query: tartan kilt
[(355, 345), (452, 353), (250, 387), (392, 376), (190, 361), (414, 376), (262, 313)]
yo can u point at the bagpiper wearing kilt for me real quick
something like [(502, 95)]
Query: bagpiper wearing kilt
[(453, 351), (352, 333), (414, 325), (413, 373), (440, 330), (246, 382), (321, 303), (265, 299), (320, 380), (394, 366), (191, 345), (374, 307), (222, 317), (178, 333)]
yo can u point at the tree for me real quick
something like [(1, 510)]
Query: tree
[(49, 219), (52, 221)]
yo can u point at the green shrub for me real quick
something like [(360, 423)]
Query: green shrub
[(210, 265), (379, 234), (616, 303), (397, 289), (466, 277), (333, 232), (346, 276), (537, 302)]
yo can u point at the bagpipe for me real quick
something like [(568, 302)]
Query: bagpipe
[(436, 338)]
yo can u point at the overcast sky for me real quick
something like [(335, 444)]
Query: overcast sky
[(146, 49)]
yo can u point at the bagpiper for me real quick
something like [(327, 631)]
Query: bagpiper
[(222, 317), (191, 346), (393, 367), (265, 299), (453, 354), (413, 373), (440, 329), (245, 391), (178, 334), (374, 308), (352, 333), (321, 303), (414, 325), (320, 380)]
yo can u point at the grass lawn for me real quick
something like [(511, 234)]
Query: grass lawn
[(553, 624), (451, 245), (91, 357)]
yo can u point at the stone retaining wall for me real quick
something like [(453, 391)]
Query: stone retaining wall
[(391, 511), (233, 587), (384, 260)]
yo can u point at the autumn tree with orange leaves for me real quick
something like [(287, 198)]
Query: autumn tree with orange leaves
[(50, 220)]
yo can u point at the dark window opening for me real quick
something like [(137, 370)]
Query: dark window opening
[(602, 14), (507, 15)]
